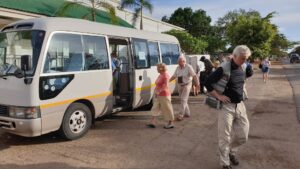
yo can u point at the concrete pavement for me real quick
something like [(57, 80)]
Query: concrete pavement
[(292, 72)]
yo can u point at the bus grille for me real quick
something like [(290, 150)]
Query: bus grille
[(3, 110)]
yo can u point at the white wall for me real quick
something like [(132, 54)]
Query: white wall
[(149, 23)]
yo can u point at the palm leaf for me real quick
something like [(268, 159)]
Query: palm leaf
[(86, 15), (147, 5), (129, 3), (67, 6), (269, 16), (111, 10)]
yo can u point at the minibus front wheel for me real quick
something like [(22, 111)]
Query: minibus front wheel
[(76, 122)]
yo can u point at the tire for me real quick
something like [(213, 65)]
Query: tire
[(76, 122)]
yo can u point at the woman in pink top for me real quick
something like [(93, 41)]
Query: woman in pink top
[(162, 99)]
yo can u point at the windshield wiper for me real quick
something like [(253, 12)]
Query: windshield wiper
[(3, 77), (11, 70)]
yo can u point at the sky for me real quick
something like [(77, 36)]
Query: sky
[(287, 17)]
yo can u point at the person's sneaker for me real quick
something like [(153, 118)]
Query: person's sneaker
[(233, 160), (227, 167), (169, 126)]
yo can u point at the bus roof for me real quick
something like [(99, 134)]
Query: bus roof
[(84, 26)]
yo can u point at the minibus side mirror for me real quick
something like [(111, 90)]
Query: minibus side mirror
[(25, 62)]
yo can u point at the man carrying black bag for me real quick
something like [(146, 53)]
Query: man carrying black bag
[(226, 85)]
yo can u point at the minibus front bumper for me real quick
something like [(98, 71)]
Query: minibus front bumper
[(22, 127)]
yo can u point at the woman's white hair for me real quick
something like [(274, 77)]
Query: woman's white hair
[(241, 50), (181, 57)]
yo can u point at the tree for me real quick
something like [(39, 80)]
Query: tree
[(165, 19), (95, 4), (279, 45), (215, 40), (197, 23), (232, 16), (253, 31), (139, 5), (229, 18), (188, 43)]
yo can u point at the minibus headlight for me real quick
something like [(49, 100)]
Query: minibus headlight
[(24, 112)]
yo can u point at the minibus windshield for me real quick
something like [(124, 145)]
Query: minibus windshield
[(13, 45)]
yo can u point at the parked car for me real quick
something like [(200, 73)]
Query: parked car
[(294, 58)]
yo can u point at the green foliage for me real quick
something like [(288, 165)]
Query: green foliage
[(188, 43), (139, 6), (196, 23), (279, 45), (216, 42), (255, 32)]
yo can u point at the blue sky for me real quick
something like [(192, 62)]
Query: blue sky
[(287, 17)]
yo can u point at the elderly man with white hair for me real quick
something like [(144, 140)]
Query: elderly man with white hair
[(184, 74), (226, 85)]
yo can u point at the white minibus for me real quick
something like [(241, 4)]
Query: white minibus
[(57, 74)]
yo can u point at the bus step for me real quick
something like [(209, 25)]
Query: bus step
[(117, 109)]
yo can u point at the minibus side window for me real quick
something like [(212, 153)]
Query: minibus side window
[(170, 53), (65, 54), (175, 53), (141, 54), (166, 53), (154, 53), (95, 51)]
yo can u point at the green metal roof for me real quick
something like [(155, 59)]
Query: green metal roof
[(49, 7)]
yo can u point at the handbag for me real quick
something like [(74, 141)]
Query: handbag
[(213, 102)]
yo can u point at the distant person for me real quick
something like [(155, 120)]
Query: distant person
[(194, 85), (216, 65), (246, 65), (265, 69), (91, 62), (208, 68), (184, 74), (116, 69), (162, 99), (226, 85)]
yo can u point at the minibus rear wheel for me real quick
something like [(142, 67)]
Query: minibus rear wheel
[(76, 122)]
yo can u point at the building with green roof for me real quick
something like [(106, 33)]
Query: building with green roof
[(12, 10)]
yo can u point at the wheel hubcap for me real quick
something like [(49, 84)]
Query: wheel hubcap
[(77, 121)]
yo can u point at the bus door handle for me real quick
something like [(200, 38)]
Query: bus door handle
[(140, 78)]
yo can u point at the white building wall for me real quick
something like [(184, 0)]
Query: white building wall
[(149, 24)]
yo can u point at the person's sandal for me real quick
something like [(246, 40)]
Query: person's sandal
[(186, 116), (151, 125), (169, 126), (179, 118)]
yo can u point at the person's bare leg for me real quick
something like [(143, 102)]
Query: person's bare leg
[(153, 120)]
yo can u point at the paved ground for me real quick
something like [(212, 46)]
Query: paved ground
[(123, 141), (292, 72)]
